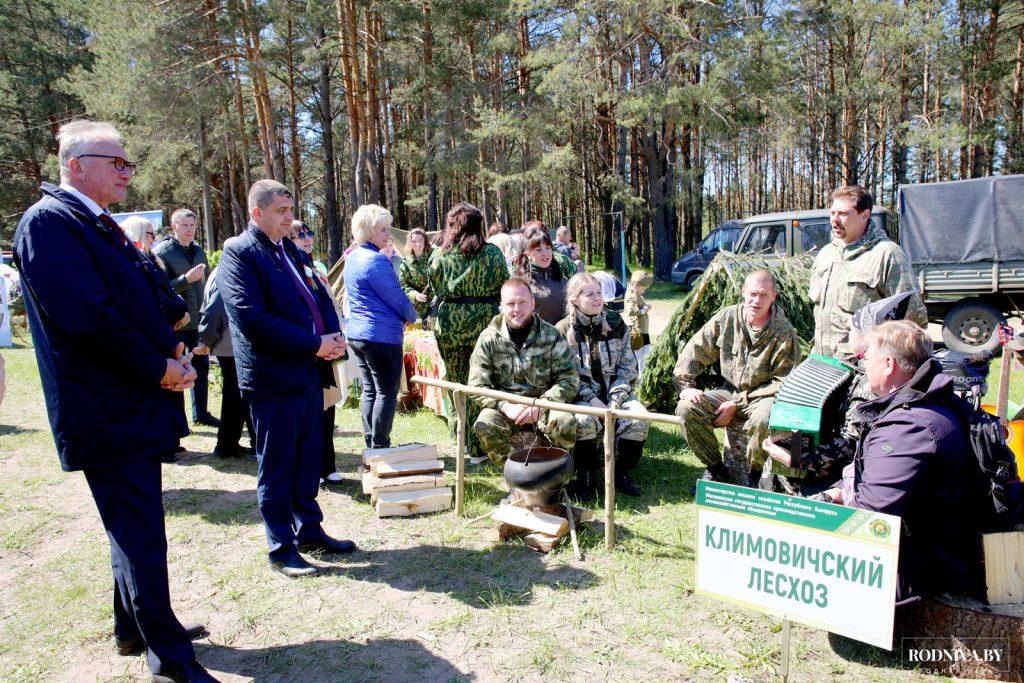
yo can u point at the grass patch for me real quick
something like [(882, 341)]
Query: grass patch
[(426, 598)]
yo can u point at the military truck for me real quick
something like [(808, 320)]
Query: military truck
[(965, 240)]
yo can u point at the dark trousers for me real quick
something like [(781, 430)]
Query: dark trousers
[(327, 462), (202, 366), (129, 500), (380, 370), (289, 431), (234, 409)]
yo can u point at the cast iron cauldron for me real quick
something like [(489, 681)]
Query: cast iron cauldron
[(539, 473)]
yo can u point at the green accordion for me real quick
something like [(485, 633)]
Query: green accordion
[(809, 406)]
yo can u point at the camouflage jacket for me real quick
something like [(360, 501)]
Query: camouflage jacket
[(612, 350), (634, 303), (414, 276), (846, 278), (753, 364), (542, 368), (565, 263)]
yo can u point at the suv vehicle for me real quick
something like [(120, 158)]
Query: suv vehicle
[(791, 233), (694, 262)]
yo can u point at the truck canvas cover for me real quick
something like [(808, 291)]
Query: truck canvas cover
[(963, 221)]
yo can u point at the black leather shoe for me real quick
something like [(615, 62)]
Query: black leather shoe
[(328, 546), (293, 567), (625, 484), (127, 647), (192, 672), (207, 421)]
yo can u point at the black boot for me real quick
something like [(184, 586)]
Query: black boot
[(716, 472), (627, 455), (584, 455)]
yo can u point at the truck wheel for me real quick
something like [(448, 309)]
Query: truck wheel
[(690, 279), (972, 327)]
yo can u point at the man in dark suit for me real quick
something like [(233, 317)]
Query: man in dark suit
[(285, 333), (87, 288)]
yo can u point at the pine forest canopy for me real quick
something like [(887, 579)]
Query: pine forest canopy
[(666, 116)]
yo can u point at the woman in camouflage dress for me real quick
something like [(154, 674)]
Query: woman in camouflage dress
[(466, 275), (414, 273)]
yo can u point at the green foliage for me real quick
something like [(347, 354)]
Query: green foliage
[(717, 288)]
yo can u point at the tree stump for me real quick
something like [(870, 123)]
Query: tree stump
[(941, 627)]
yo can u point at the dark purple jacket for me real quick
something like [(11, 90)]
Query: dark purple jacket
[(914, 461)]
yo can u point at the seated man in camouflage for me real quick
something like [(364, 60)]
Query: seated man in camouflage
[(521, 354), (754, 346)]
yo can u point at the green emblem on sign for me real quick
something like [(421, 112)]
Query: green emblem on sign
[(880, 528)]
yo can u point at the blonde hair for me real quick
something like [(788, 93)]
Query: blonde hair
[(576, 284), (575, 287), (136, 227), (366, 219), (908, 345), (74, 137)]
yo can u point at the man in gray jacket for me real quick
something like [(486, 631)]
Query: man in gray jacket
[(215, 335), (185, 263)]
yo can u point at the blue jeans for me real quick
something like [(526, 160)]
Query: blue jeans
[(380, 369)]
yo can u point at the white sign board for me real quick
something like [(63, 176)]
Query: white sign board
[(823, 565)]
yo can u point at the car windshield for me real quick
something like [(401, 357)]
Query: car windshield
[(767, 239)]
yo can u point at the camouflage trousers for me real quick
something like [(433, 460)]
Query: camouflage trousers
[(592, 427), (743, 436), (495, 431)]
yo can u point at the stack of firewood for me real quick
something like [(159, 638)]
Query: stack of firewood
[(405, 480)]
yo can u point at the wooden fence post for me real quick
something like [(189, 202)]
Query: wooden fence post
[(460, 450), (609, 480)]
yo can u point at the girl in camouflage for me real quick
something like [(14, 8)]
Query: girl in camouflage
[(600, 341), (414, 274)]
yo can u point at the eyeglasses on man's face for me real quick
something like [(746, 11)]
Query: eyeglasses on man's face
[(120, 164)]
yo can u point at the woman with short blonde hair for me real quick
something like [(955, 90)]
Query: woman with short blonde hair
[(368, 219), (141, 231), (378, 312)]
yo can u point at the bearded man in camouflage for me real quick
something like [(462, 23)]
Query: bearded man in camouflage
[(754, 346), (521, 354), (859, 266)]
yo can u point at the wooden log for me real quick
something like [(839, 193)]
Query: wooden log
[(374, 486), (964, 625), (404, 453), (540, 542), (385, 470), (406, 503), (534, 521), (1004, 567)]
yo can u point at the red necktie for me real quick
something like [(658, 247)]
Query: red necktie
[(114, 228)]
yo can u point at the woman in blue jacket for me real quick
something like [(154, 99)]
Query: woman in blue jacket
[(378, 313)]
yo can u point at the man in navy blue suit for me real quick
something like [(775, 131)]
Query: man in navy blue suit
[(88, 288), (285, 333)]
